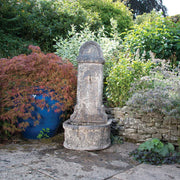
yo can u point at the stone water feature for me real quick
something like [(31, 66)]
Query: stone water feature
[(88, 127)]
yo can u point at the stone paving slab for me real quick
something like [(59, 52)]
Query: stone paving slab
[(53, 161), (38, 161), (149, 172)]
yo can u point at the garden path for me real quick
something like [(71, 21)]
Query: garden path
[(38, 160)]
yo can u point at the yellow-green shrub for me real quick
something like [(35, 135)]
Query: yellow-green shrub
[(120, 78)]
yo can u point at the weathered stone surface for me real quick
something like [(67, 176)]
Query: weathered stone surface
[(157, 136), (174, 132), (88, 127), (174, 127), (118, 113), (164, 131), (140, 131), (139, 127), (130, 131), (132, 136), (89, 137), (158, 125), (166, 122), (89, 107), (151, 130), (174, 122), (173, 138), (149, 172), (90, 52)]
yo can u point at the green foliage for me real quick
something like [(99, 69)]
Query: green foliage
[(44, 133), (69, 48), (174, 28), (120, 78), (106, 10), (10, 27), (147, 17), (155, 152), (12, 45), (42, 20), (158, 93), (160, 36), (22, 76), (116, 139), (9, 19), (154, 158), (155, 145)]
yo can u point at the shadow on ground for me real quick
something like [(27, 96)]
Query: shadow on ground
[(48, 159)]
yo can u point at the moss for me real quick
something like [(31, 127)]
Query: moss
[(9, 148), (59, 138), (28, 145)]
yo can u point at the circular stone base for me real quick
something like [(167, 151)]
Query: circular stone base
[(87, 137)]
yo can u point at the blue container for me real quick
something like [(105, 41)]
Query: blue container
[(49, 119)]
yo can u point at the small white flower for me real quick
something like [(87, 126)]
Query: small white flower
[(34, 96)]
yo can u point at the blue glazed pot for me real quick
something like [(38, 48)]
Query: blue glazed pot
[(49, 119)]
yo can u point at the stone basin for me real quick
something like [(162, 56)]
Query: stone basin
[(87, 136)]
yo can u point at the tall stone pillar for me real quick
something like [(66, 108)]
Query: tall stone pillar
[(88, 127)]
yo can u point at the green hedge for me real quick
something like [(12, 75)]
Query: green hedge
[(160, 36), (12, 45), (42, 20), (107, 9)]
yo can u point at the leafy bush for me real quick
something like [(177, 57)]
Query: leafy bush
[(174, 28), (41, 21), (9, 19), (159, 92), (161, 36), (108, 9), (25, 75), (147, 17), (10, 30), (69, 48), (155, 145), (12, 45), (120, 78), (52, 18), (155, 152)]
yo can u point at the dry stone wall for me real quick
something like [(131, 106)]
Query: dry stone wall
[(139, 127)]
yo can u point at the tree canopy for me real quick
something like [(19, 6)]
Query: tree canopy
[(145, 6)]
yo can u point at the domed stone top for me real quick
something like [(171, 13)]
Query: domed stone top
[(90, 52)]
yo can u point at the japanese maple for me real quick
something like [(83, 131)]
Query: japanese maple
[(26, 75)]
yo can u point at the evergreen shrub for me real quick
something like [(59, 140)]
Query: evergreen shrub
[(41, 21), (12, 45)]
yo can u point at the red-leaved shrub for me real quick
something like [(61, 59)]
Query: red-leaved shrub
[(25, 75)]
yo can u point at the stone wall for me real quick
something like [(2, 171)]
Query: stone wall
[(139, 128)]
